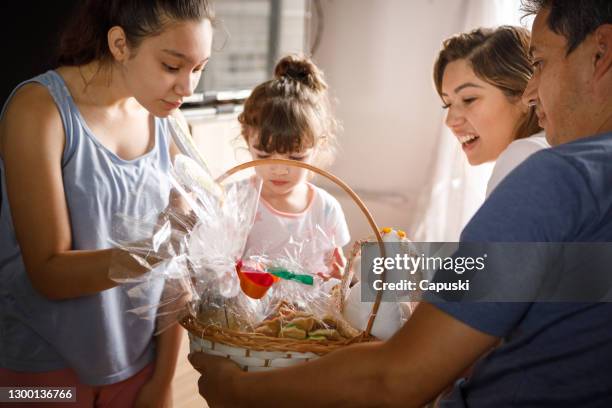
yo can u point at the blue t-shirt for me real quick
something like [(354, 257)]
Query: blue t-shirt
[(553, 354)]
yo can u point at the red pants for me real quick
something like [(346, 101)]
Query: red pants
[(121, 394)]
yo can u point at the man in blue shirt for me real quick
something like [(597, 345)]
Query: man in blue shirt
[(552, 354)]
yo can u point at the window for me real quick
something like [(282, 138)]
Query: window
[(251, 36)]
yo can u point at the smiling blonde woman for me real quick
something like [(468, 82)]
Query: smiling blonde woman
[(480, 77)]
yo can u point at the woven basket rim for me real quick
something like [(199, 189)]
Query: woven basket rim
[(336, 180), (260, 342)]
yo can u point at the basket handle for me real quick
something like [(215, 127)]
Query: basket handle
[(339, 183)]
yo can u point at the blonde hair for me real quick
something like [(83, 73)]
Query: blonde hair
[(291, 112), (498, 56)]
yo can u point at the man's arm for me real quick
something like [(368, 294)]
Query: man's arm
[(412, 368)]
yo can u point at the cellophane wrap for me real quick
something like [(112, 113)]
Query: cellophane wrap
[(196, 261)]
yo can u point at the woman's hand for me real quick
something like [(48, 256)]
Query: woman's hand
[(218, 377), (154, 395)]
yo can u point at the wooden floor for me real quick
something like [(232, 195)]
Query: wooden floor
[(185, 383)]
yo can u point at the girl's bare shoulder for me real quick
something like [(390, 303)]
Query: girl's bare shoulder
[(31, 117)]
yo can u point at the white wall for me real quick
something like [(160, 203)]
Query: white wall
[(378, 57)]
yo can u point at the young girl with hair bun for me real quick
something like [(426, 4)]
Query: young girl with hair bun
[(289, 117)]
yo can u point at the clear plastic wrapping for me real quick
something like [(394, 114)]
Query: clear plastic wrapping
[(196, 259)]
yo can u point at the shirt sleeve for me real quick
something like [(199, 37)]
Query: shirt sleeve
[(546, 199), (337, 222)]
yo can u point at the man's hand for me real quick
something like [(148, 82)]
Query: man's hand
[(218, 376), (430, 352)]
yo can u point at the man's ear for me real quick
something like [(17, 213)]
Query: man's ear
[(117, 44), (602, 61)]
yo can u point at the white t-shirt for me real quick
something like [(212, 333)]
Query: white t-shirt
[(515, 154), (309, 237)]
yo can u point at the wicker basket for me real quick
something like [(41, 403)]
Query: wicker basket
[(257, 352)]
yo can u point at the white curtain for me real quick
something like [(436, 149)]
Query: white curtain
[(456, 189)]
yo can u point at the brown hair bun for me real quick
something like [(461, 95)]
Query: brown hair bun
[(302, 70)]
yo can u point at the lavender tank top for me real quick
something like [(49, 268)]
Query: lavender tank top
[(94, 335)]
